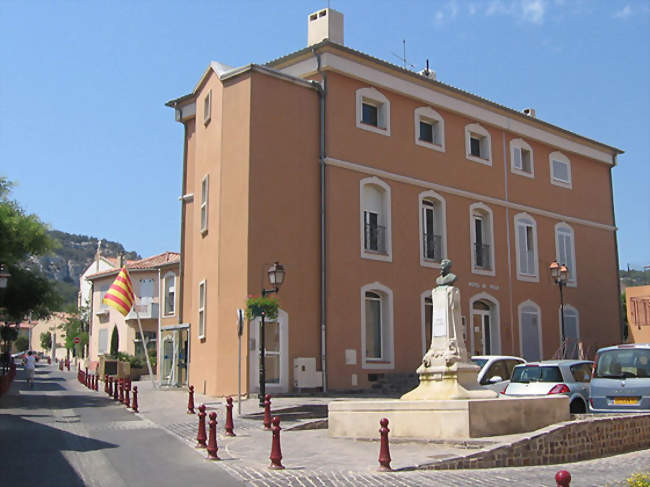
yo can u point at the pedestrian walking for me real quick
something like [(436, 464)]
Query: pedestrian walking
[(30, 367)]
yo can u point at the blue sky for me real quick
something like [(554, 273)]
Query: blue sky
[(86, 136)]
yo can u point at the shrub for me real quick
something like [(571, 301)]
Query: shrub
[(22, 343), (256, 305), (639, 480)]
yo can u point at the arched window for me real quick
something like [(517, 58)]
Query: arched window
[(375, 219), (169, 296), (433, 235), (373, 111), (571, 330), (485, 327), (565, 252), (429, 129), (530, 331), (526, 237), (377, 326), (482, 239), (560, 166), (521, 158), (478, 145)]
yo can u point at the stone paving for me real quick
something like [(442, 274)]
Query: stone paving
[(312, 459)]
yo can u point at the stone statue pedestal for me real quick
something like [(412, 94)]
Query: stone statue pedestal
[(446, 372)]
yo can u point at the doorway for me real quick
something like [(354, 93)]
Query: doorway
[(276, 353), (485, 338), (174, 353)]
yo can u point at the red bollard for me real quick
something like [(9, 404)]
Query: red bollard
[(276, 452), (86, 378), (127, 399), (563, 478), (212, 441), (121, 396), (384, 454), (200, 436), (190, 401), (67, 364), (229, 423), (116, 388), (134, 405), (95, 382), (105, 384), (49, 360), (109, 391), (267, 411), (60, 365)]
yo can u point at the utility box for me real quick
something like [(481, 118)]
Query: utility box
[(305, 375), (106, 366)]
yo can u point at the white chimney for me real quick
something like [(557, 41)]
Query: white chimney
[(325, 24), (529, 111)]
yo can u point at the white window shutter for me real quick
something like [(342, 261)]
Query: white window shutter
[(521, 245), (517, 154)]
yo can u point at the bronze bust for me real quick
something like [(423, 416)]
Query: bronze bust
[(446, 278)]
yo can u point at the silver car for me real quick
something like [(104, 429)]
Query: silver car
[(621, 381), (495, 370), (568, 377)]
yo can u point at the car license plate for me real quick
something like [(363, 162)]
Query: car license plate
[(626, 400)]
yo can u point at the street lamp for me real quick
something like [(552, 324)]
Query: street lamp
[(560, 274), (4, 278), (276, 278)]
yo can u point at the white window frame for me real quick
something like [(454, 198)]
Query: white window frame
[(566, 229), (525, 220), (102, 332), (430, 116), (201, 320), (207, 108), (167, 276), (517, 145), (205, 197), (388, 354), (441, 204), (486, 143), (482, 210), (386, 203), (495, 321), (562, 159), (371, 96), (520, 310)]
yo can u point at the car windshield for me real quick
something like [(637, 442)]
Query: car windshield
[(534, 373), (623, 363), (480, 361)]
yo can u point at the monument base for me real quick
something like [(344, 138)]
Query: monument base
[(445, 419), (458, 381)]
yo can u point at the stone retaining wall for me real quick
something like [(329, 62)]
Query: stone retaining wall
[(582, 439)]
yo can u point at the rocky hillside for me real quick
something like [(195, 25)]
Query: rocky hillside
[(66, 263)]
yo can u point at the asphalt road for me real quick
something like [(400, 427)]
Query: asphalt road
[(54, 435)]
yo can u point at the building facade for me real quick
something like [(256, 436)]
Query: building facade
[(154, 281), (637, 299), (360, 177)]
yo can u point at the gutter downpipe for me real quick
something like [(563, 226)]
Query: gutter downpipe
[(181, 266), (159, 337), (322, 93)]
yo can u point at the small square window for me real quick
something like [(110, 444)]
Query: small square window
[(426, 132), (207, 108), (561, 171), (369, 114)]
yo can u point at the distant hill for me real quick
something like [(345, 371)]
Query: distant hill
[(633, 277), (67, 262)]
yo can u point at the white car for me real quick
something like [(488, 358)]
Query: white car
[(568, 377), (496, 370)]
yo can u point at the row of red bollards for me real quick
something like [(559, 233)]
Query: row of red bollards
[(562, 477), (119, 389)]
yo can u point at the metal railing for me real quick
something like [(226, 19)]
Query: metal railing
[(482, 256), (432, 246), (374, 238)]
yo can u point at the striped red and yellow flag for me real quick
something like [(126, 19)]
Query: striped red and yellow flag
[(120, 295)]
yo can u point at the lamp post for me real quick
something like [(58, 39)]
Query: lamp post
[(276, 278), (560, 274), (4, 278)]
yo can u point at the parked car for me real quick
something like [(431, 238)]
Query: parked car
[(568, 377), (495, 370), (621, 379)]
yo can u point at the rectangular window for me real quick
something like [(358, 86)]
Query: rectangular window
[(432, 240), (526, 245), (373, 232), (201, 322), (373, 327), (522, 159), (481, 247), (102, 346), (204, 204), (207, 107), (369, 114), (561, 171), (426, 132), (170, 294), (565, 252)]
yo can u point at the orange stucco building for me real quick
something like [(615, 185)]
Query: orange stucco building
[(359, 177)]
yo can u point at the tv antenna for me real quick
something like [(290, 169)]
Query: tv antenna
[(405, 63)]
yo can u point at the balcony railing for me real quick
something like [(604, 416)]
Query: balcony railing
[(145, 311), (374, 238), (482, 256), (432, 245)]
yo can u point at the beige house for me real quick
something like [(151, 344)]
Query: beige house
[(51, 325), (637, 299), (154, 283), (359, 177)]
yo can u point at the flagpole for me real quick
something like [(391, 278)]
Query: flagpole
[(144, 341)]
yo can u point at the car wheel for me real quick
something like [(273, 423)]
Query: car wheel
[(577, 407)]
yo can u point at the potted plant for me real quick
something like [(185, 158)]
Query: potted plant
[(256, 305)]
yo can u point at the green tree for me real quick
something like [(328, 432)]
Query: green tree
[(46, 340), (22, 343), (75, 326), (115, 342)]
